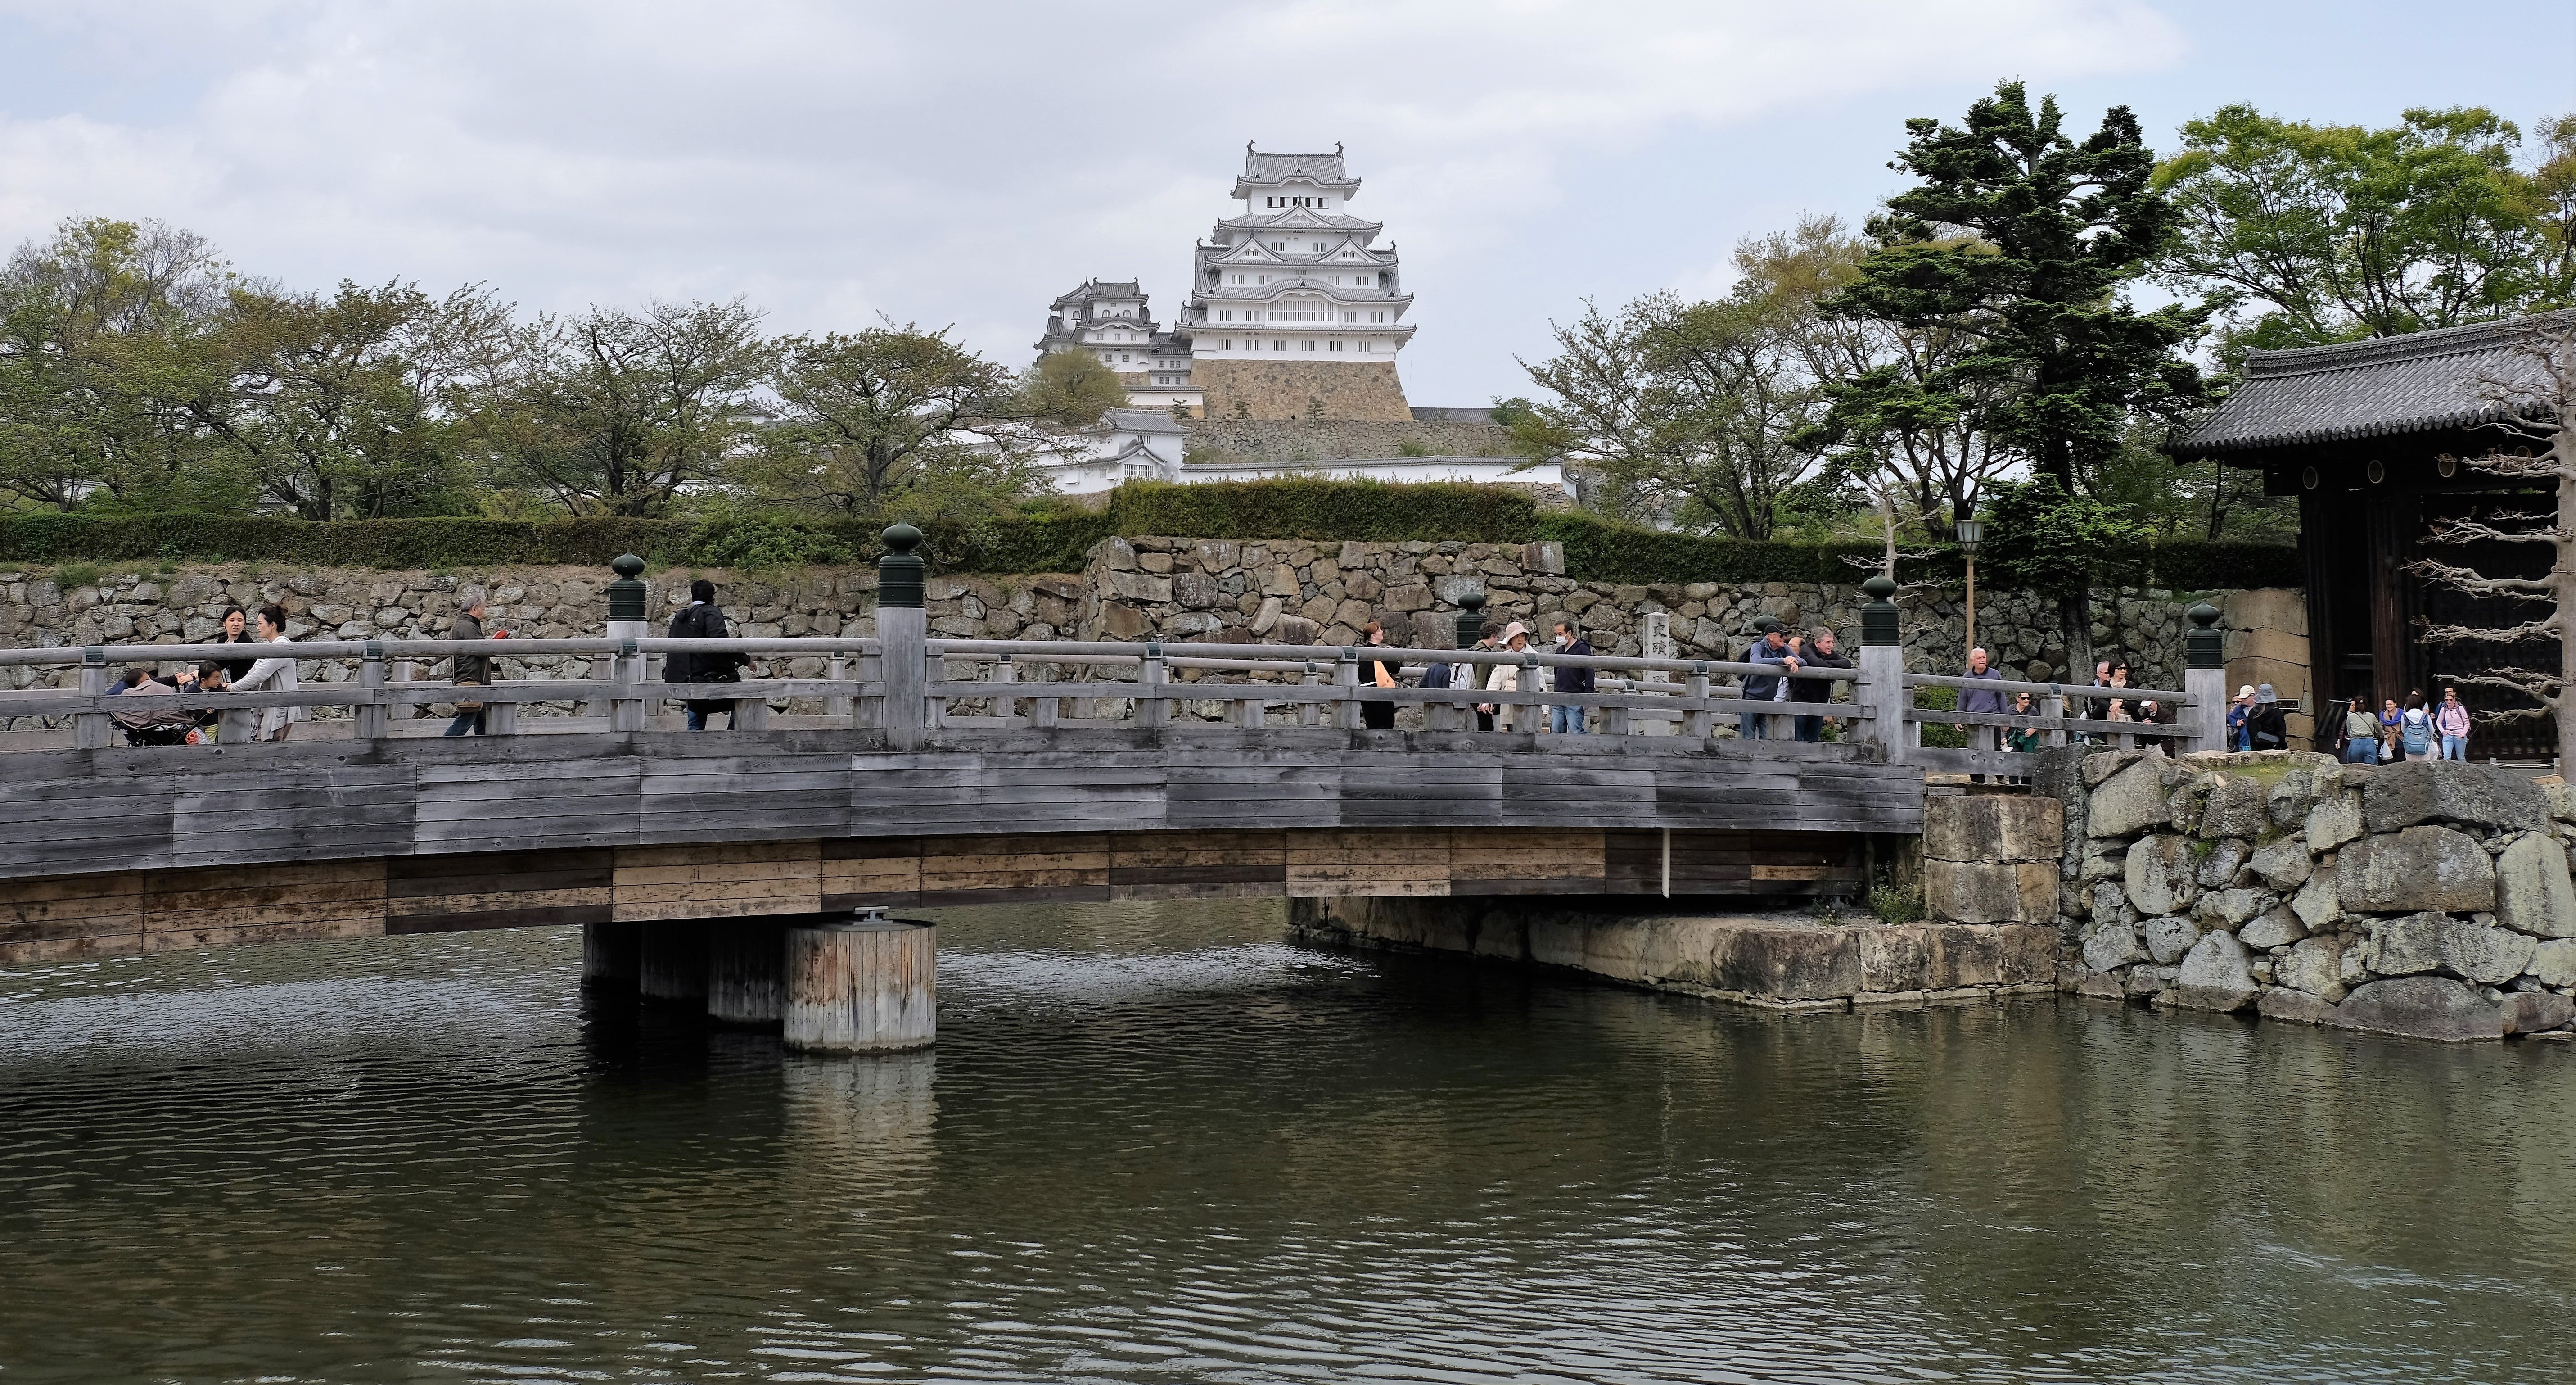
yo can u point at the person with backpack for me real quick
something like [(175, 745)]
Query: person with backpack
[(702, 621), (2268, 727), (2415, 729)]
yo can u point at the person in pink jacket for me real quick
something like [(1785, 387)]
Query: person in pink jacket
[(2451, 720)]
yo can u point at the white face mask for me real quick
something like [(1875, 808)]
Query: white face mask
[(1563, 640)]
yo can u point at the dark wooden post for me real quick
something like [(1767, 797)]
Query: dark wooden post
[(2205, 678), (1471, 623), (747, 971), (626, 621), (868, 985)]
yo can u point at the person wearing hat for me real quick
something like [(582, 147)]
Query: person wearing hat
[(2267, 727), (1772, 648), (1507, 678), (2237, 712)]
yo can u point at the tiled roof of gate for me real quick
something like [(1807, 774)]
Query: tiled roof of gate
[(2421, 382)]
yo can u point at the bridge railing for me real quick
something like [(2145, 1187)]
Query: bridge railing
[(961, 684), (2047, 720)]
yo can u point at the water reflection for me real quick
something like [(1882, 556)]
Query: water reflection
[(1156, 1143)]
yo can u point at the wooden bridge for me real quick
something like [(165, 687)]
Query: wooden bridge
[(918, 772)]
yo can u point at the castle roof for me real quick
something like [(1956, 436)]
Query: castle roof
[(2421, 382), (1270, 170)]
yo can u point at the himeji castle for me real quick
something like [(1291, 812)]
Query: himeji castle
[(1295, 309)]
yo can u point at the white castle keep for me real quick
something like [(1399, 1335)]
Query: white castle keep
[(1295, 310)]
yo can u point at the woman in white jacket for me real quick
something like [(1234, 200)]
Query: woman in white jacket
[(274, 675), (1507, 678)]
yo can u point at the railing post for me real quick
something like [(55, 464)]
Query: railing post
[(2052, 717), (1699, 724), (626, 622), (837, 668), (2205, 678), (371, 718), (1310, 713), (1528, 718), (1152, 707), (499, 718), (90, 729), (1882, 667), (1346, 676), (1471, 625), (903, 632), (404, 671)]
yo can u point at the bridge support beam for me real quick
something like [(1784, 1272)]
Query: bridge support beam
[(674, 966), (612, 955), (865, 985), (747, 972)]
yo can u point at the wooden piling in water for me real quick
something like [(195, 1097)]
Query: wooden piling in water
[(865, 985), (612, 955), (747, 972), (674, 965)]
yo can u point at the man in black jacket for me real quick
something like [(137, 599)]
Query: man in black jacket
[(702, 621), (1820, 654), (1568, 721)]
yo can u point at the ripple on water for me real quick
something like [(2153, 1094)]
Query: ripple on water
[(1157, 1143)]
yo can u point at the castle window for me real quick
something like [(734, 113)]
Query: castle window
[(1307, 345), (1337, 343), (1377, 317), (1368, 346), (1350, 317), (1278, 346), (1238, 278), (1225, 315)]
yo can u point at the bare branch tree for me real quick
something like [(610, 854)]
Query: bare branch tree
[(2530, 401)]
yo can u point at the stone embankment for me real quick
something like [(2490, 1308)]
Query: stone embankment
[(2429, 899)]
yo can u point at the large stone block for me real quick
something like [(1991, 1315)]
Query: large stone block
[(2533, 892), (2553, 963), (2285, 863), (2133, 799), (2230, 908), (1790, 963), (2532, 1012), (2405, 947), (2224, 859), (2157, 876), (2302, 1007), (2214, 976), (2282, 609), (2421, 1007), (2482, 952), (2109, 946), (1992, 892), (2278, 928), (2169, 938), (2236, 808), (2416, 869), (2318, 902), (2402, 795), (1993, 827), (2314, 965), (2334, 820)]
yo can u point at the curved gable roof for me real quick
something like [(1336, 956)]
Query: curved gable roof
[(2422, 382)]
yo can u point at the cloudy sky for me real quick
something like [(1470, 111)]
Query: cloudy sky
[(963, 163)]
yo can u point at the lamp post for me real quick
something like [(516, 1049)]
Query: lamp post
[(1972, 531)]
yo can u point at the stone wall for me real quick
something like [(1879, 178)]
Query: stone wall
[(1317, 389), (2428, 899), (1292, 592), (1316, 440)]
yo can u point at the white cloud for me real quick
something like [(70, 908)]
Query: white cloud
[(960, 163)]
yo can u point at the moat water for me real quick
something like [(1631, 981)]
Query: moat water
[(1159, 1144)]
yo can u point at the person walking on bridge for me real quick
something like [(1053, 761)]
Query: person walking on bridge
[(472, 670), (1568, 721), (275, 673), (1379, 672), (702, 621), (1507, 678)]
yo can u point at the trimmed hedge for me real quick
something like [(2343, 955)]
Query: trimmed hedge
[(1595, 549)]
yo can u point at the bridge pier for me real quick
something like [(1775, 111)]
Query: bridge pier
[(747, 972), (612, 955), (674, 965), (862, 985)]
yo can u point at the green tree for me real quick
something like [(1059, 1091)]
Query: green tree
[(1686, 411), (342, 398), (616, 412), (897, 416), (1073, 388), (2308, 234), (113, 390), (2040, 538), (2020, 240)]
